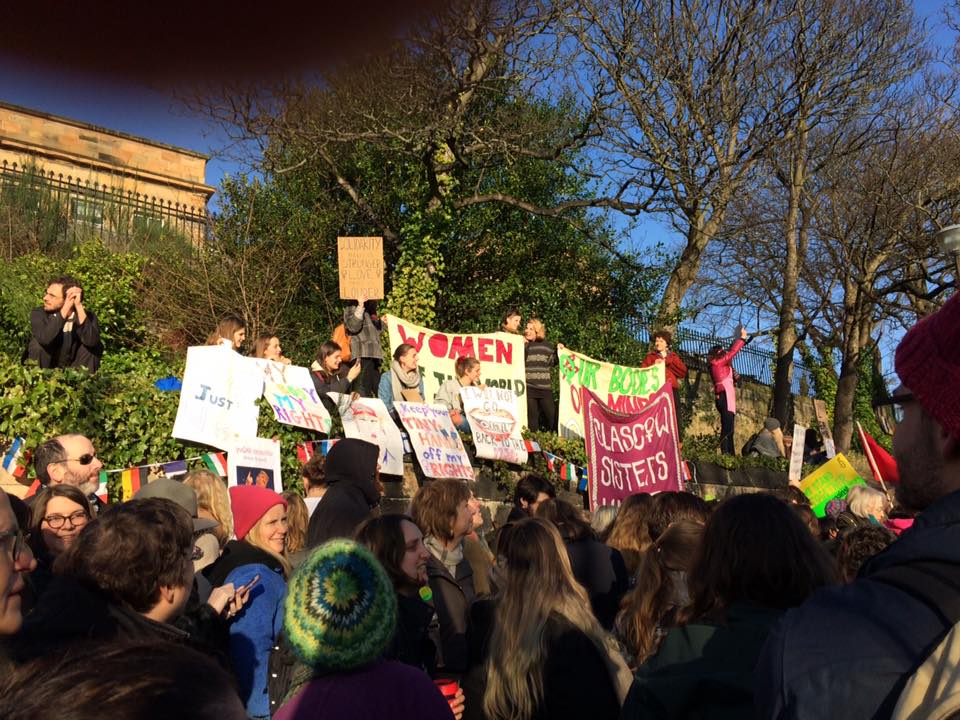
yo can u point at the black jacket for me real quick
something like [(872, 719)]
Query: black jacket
[(50, 347), (324, 383), (352, 491), (415, 642), (452, 597), (601, 570)]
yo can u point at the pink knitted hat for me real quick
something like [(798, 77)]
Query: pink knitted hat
[(250, 503), (928, 363)]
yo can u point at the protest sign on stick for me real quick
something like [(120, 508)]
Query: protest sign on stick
[(820, 408), (368, 419), (633, 452), (293, 397), (621, 388), (360, 261), (796, 452), (435, 440), (218, 400), (492, 414), (500, 354), (255, 461), (829, 481)]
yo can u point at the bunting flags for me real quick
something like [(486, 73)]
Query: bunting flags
[(216, 463), (175, 468), (16, 458), (307, 450), (531, 446), (130, 482), (102, 488)]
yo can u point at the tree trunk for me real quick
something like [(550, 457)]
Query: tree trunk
[(684, 274)]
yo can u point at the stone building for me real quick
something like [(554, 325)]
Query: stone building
[(105, 179)]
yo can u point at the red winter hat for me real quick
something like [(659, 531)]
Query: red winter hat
[(928, 363), (250, 503)]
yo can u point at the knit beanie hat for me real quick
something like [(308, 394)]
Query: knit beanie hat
[(341, 609), (249, 503), (928, 363)]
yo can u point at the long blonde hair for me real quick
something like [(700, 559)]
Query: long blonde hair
[(212, 496), (253, 537), (538, 583), (298, 517)]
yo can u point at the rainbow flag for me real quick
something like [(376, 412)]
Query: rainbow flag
[(216, 463), (130, 482)]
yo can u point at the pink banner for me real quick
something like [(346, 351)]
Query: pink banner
[(631, 453)]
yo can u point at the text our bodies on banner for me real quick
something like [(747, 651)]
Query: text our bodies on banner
[(624, 389), (218, 399), (368, 419), (435, 440), (291, 393), (500, 354), (631, 453), (492, 414)]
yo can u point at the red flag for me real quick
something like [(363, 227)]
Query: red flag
[(882, 464)]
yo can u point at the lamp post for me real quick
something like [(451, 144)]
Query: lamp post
[(949, 241)]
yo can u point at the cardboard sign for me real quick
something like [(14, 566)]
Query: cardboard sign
[(621, 388), (435, 440), (501, 358), (820, 408), (218, 400), (360, 261), (492, 414), (368, 419), (291, 393), (255, 461), (631, 453), (796, 452), (831, 480)]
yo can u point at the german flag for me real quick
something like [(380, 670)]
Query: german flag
[(130, 482)]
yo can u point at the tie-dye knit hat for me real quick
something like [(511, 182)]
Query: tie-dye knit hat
[(341, 609)]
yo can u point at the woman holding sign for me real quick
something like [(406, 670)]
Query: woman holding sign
[(268, 348), (230, 331), (448, 394), (330, 374), (721, 369)]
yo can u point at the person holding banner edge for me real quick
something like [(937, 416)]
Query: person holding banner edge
[(724, 376), (674, 368)]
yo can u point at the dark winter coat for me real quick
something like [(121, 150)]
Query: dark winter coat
[(352, 491), (364, 331), (50, 347), (601, 570), (452, 597), (325, 383)]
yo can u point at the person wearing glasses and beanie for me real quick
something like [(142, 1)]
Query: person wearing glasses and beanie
[(70, 460), (902, 606)]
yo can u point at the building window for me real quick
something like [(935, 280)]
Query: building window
[(147, 222), (86, 211)]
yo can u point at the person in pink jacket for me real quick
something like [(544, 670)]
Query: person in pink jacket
[(721, 369)]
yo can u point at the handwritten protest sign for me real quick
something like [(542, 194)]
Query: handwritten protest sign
[(255, 461), (360, 261), (631, 452), (831, 480), (796, 452), (290, 391), (820, 408), (368, 419), (623, 389), (218, 400), (501, 358), (492, 414), (435, 441)]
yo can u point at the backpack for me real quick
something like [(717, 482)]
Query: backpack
[(341, 338)]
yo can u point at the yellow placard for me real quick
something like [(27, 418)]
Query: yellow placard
[(829, 481)]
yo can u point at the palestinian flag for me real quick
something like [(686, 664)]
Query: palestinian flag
[(216, 463), (130, 482), (102, 488)]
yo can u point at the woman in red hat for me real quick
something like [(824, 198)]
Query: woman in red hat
[(256, 558)]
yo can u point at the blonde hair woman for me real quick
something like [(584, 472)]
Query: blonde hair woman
[(546, 646), (213, 502), (297, 520)]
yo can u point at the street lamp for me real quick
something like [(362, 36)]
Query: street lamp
[(949, 240)]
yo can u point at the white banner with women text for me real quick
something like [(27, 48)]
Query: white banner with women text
[(500, 354)]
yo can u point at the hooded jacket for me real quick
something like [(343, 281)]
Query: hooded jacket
[(352, 491), (854, 647)]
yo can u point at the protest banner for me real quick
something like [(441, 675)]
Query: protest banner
[(492, 414), (218, 400), (435, 440), (500, 354), (290, 391), (368, 419), (829, 481), (621, 388), (631, 452), (796, 452), (820, 408), (360, 261), (255, 461)]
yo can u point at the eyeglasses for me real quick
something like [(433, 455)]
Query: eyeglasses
[(84, 459), (14, 542), (77, 519), (895, 404)]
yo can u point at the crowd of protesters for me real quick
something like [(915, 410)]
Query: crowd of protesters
[(196, 601)]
